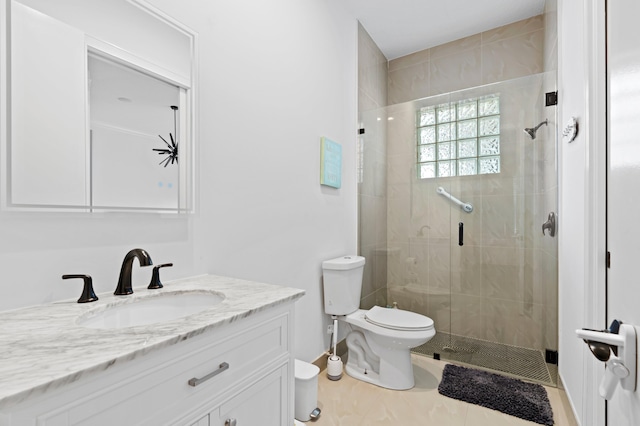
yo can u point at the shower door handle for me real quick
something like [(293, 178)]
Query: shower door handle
[(460, 234)]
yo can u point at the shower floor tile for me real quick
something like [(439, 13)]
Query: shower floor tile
[(522, 363)]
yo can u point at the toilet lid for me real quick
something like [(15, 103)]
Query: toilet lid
[(344, 263), (398, 319)]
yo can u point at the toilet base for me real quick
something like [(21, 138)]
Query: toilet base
[(384, 367), (360, 374), (396, 382)]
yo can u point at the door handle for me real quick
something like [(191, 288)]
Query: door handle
[(616, 346), (460, 234)]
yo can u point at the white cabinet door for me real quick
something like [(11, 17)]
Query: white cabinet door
[(263, 403), (623, 293)]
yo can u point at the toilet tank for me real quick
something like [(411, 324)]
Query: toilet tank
[(342, 279)]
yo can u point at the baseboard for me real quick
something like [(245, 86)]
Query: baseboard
[(570, 409)]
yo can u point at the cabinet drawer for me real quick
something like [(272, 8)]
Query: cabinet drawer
[(165, 388)]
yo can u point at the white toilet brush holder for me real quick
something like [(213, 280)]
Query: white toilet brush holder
[(334, 367), (334, 363)]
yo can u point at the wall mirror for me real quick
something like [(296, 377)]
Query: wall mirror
[(99, 112)]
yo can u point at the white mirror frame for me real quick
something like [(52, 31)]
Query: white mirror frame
[(187, 81)]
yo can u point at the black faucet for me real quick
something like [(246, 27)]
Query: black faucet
[(124, 282)]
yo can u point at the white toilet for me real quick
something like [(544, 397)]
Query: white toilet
[(379, 345)]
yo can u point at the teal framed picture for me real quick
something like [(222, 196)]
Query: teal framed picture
[(330, 163)]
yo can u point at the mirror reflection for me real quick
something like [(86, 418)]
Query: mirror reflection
[(131, 116)]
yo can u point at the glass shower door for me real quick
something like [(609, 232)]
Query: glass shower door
[(453, 192), (503, 270)]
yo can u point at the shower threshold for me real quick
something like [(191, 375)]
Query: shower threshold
[(514, 361)]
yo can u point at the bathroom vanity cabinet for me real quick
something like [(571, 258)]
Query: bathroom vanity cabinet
[(252, 382)]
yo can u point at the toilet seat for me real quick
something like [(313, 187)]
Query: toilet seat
[(398, 319)]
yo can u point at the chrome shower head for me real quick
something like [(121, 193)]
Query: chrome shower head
[(531, 132)]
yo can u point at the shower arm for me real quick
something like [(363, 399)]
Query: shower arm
[(545, 122), (464, 206)]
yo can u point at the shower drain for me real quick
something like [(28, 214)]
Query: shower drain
[(524, 363)]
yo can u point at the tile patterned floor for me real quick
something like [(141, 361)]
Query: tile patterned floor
[(349, 402), (513, 361)]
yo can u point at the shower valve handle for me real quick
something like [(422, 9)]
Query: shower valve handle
[(550, 224)]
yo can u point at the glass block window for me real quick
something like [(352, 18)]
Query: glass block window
[(459, 139)]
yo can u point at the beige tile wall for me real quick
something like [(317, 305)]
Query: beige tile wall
[(551, 35), (504, 53), (372, 187)]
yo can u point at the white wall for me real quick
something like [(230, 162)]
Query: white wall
[(581, 213), (274, 77), (571, 80)]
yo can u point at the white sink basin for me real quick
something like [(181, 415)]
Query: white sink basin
[(150, 310)]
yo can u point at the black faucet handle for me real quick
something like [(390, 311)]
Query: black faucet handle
[(88, 294), (155, 276)]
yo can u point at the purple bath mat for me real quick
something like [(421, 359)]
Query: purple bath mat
[(528, 401)]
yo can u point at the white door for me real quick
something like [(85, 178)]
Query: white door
[(623, 186)]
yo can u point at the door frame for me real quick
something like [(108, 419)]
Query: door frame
[(596, 163)]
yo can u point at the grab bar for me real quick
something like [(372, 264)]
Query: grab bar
[(464, 206)]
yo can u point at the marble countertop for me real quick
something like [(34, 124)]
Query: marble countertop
[(43, 348)]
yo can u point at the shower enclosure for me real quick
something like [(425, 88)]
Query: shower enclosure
[(453, 192)]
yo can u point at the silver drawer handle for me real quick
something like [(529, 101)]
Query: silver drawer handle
[(230, 422), (195, 381)]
